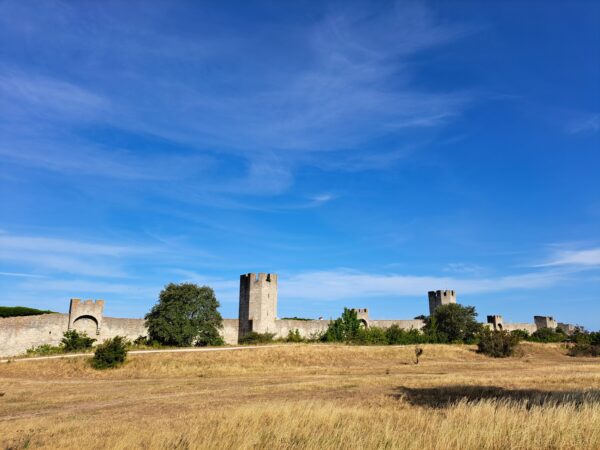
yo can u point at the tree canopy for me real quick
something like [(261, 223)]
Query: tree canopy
[(452, 323), (186, 314), (343, 329)]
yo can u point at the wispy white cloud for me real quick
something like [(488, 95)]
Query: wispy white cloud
[(21, 94), (582, 258), (346, 284), (20, 275), (584, 124), (89, 288), (57, 255), (463, 268), (323, 198), (352, 82), (59, 245), (217, 283)]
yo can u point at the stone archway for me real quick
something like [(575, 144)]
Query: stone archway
[(87, 324)]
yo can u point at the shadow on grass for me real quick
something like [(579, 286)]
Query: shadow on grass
[(444, 396)]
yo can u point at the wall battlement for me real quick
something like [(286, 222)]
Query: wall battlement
[(361, 313)]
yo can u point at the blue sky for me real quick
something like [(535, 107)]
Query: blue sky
[(366, 152)]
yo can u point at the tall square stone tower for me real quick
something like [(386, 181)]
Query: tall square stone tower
[(258, 303), (439, 298)]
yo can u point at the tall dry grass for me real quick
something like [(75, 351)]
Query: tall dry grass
[(307, 397)]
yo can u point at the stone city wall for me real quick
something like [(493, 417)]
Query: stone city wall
[(306, 328), (414, 324), (230, 331), (257, 313), (17, 334), (129, 328), (529, 327)]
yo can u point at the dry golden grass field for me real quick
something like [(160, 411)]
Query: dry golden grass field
[(306, 396)]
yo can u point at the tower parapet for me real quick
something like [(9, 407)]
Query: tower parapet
[(497, 322), (545, 322), (361, 313), (86, 315), (258, 303), (439, 298)]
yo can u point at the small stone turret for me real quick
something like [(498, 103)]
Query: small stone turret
[(439, 298), (545, 322), (497, 322), (86, 315), (361, 313), (258, 303)]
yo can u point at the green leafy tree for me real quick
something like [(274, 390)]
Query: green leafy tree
[(74, 341), (398, 336), (497, 343), (548, 335), (111, 353), (584, 343), (344, 328), (452, 323), (521, 335), (371, 336), (185, 314)]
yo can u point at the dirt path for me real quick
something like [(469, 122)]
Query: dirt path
[(141, 352)]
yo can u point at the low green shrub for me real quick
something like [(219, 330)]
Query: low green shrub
[(141, 341), (585, 343), (294, 336), (548, 335), (210, 340), (497, 343), (315, 336), (144, 343), (521, 335), (45, 350), (111, 353), (371, 336), (585, 337), (398, 336), (257, 338), (584, 349), (74, 341)]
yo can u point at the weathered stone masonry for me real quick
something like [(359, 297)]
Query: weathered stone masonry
[(257, 312), (17, 334)]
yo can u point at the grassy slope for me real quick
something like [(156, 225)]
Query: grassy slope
[(307, 397), (17, 311)]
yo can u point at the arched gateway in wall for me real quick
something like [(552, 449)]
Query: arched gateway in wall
[(86, 316)]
